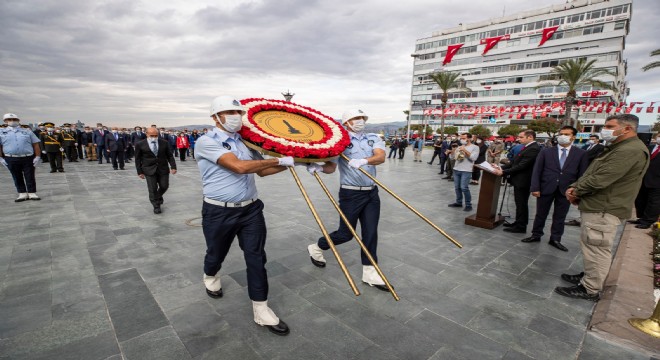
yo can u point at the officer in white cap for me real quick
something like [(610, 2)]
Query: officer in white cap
[(358, 195), (231, 206), (19, 152)]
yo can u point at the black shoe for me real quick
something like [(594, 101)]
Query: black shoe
[(281, 329), (157, 210), (317, 263), (61, 170), (572, 223), (455, 205), (516, 230), (379, 287), (576, 292), (558, 245), (573, 279), (635, 222), (121, 169), (531, 239), (446, 177), (214, 294), (506, 224), (53, 171), (430, 163), (468, 208), (643, 226)]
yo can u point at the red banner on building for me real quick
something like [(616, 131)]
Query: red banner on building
[(491, 42), (451, 51), (547, 34)]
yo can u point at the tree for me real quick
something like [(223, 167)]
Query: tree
[(656, 126), (407, 112), (510, 130), (654, 64), (545, 125), (448, 130), (448, 81), (480, 130), (420, 129), (575, 74)]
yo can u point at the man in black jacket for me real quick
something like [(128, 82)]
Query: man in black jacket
[(115, 144), (153, 160), (519, 172), (647, 203), (594, 147)]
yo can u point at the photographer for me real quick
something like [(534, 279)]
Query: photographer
[(464, 156)]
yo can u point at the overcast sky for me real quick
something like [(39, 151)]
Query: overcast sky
[(142, 62)]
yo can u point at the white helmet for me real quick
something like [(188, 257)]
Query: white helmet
[(226, 103), (10, 116), (349, 114)]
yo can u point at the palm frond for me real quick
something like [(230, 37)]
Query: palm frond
[(652, 65)]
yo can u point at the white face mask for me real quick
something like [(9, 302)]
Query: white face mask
[(114, 131), (153, 138), (478, 141), (358, 125), (12, 123), (49, 129), (233, 123), (463, 142), (608, 134), (563, 139), (65, 129)]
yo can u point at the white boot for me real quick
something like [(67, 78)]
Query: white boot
[(213, 286), (33, 196), (370, 276), (316, 253), (21, 197), (263, 315)]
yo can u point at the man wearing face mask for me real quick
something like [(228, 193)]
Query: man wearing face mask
[(98, 139), (87, 140), (231, 206), (19, 153), (519, 173), (604, 195), (51, 144), (358, 195), (593, 148), (69, 143), (153, 161), (115, 145), (464, 157), (555, 169)]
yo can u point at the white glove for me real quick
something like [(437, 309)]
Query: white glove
[(36, 160), (76, 144), (356, 163), (61, 149), (4, 162), (314, 168), (43, 152), (285, 161)]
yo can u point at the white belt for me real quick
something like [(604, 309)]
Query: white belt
[(363, 188), (229, 204), (18, 155)]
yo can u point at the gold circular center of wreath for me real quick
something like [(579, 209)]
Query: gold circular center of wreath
[(289, 126)]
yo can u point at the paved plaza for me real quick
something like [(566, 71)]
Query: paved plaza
[(89, 272)]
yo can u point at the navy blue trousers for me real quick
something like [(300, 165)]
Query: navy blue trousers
[(561, 207), (22, 170), (358, 205), (220, 225)]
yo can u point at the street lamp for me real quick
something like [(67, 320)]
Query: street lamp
[(412, 85), (288, 95)]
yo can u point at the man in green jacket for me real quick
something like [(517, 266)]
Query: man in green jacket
[(605, 194)]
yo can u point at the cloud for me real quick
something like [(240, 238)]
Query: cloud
[(128, 62)]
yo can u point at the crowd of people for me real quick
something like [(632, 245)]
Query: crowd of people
[(604, 181)]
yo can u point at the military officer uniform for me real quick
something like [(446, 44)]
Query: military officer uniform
[(51, 144), (19, 152), (69, 143)]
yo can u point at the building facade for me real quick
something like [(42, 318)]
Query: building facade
[(503, 61)]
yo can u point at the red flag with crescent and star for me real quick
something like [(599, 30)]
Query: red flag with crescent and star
[(491, 42), (547, 34), (451, 51)]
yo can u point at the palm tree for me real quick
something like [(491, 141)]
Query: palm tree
[(654, 64), (448, 82), (575, 74)]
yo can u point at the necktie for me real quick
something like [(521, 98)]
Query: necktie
[(655, 152), (562, 159), (154, 149)]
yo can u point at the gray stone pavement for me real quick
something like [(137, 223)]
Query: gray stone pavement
[(90, 272)]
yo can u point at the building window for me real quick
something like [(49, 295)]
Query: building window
[(619, 25)]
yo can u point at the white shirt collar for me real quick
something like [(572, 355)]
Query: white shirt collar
[(568, 149)]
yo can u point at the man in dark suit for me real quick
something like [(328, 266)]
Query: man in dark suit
[(519, 173), (115, 145), (555, 169), (98, 139), (647, 203), (594, 147), (152, 157), (137, 136)]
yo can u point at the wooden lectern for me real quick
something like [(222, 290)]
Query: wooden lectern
[(486, 216)]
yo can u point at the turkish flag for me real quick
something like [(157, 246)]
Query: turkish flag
[(547, 34), (490, 43), (451, 51), (649, 109), (639, 109)]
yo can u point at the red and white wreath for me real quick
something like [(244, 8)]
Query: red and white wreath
[(333, 143)]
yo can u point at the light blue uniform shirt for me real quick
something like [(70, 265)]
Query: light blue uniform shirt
[(17, 141), (219, 183), (362, 146)]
